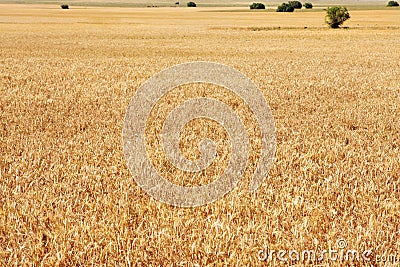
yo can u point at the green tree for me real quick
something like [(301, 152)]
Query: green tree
[(285, 7), (308, 5), (296, 4), (336, 15), (257, 6), (392, 3), (191, 4)]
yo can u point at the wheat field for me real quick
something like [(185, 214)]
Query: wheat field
[(67, 77)]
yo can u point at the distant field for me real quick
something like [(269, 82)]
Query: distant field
[(67, 77), (144, 3)]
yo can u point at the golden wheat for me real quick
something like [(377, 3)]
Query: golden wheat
[(67, 77)]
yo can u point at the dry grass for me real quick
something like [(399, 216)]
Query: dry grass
[(66, 79)]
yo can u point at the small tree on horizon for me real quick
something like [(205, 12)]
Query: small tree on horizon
[(257, 6), (392, 3), (285, 7), (191, 4), (308, 5), (296, 4), (64, 6), (336, 15)]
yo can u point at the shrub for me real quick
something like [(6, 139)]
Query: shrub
[(308, 5), (64, 6), (336, 15), (257, 6), (285, 7), (392, 3), (295, 4), (191, 4)]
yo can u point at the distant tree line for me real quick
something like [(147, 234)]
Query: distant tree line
[(284, 7)]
